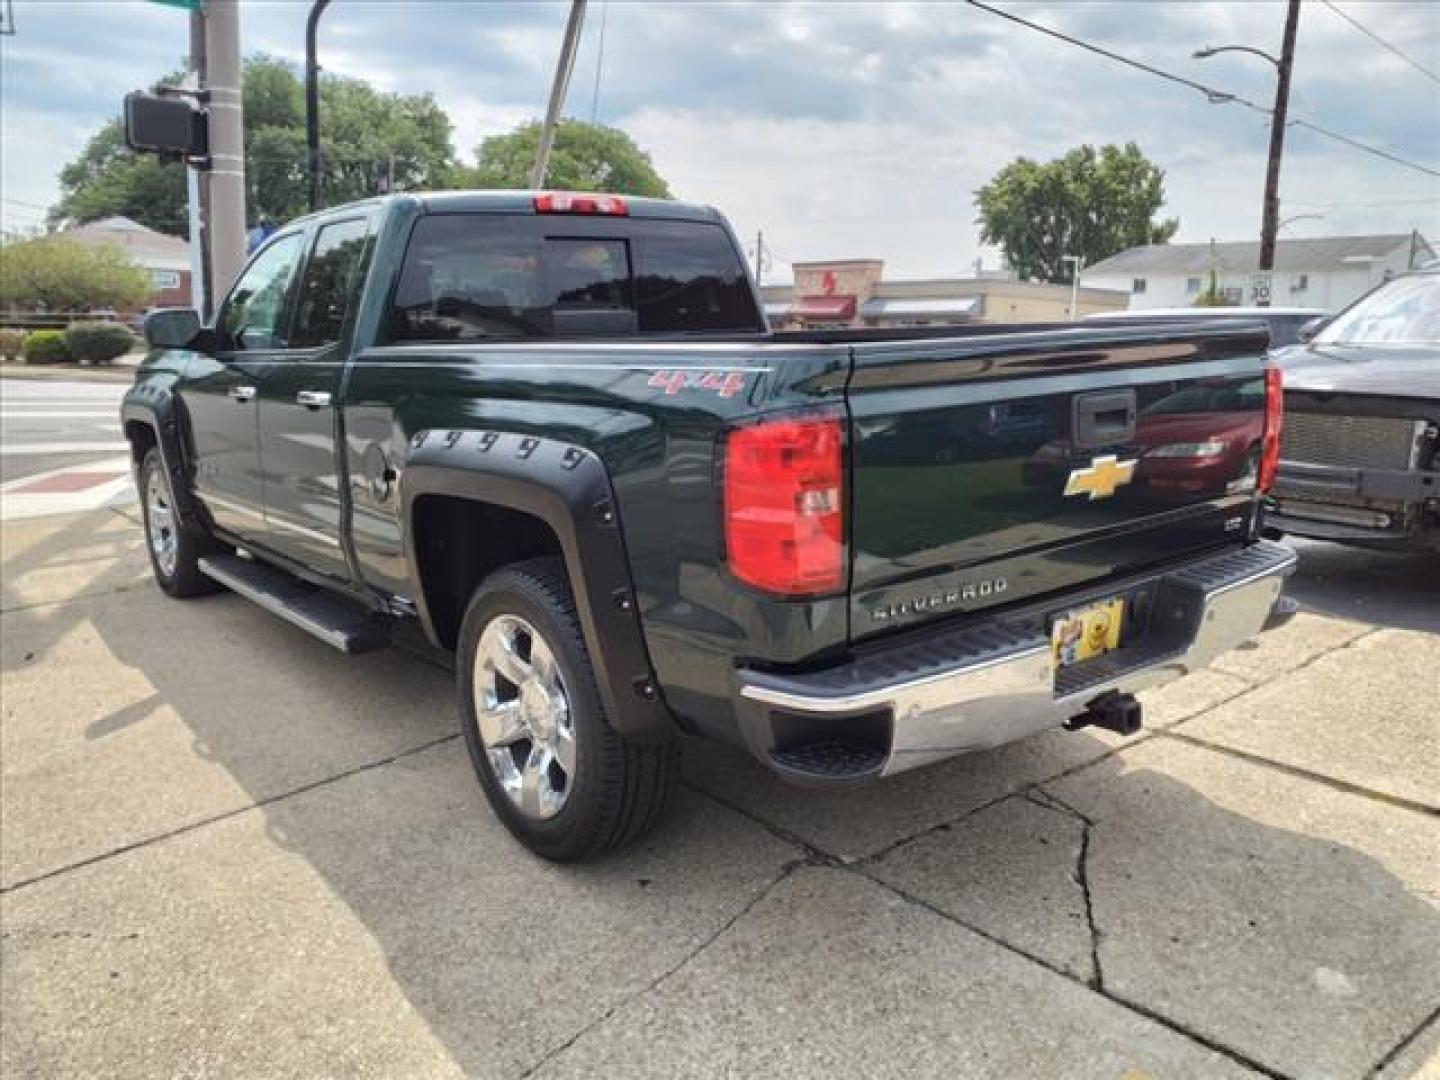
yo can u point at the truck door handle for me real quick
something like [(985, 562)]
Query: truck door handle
[(242, 393), (313, 399)]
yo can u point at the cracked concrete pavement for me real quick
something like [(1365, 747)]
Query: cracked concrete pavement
[(227, 850)]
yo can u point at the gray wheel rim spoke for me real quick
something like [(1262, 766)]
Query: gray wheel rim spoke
[(564, 749), (500, 722), (160, 521), (535, 791), (523, 716), (498, 643)]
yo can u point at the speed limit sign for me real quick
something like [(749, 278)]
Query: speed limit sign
[(1260, 289)]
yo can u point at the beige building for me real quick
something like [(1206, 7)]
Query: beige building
[(165, 258), (853, 293)]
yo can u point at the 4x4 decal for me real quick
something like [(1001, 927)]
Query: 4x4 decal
[(725, 384)]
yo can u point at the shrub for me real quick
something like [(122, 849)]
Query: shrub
[(45, 347), (54, 273), (10, 343), (98, 342)]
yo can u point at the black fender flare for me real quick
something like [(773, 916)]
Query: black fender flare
[(568, 488), (158, 409)]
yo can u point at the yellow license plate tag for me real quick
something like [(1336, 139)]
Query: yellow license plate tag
[(1093, 631)]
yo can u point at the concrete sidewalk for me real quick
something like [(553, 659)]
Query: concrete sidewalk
[(228, 850)]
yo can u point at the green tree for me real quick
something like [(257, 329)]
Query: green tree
[(109, 178), (370, 142), (1088, 203), (57, 274), (584, 157)]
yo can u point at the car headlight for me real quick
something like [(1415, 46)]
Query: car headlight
[(1188, 449)]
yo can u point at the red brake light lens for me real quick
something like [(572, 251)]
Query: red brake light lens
[(572, 202), (784, 505), (1274, 425)]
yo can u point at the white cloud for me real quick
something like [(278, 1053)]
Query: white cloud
[(855, 129)]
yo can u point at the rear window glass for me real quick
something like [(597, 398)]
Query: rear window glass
[(1219, 395), (476, 277)]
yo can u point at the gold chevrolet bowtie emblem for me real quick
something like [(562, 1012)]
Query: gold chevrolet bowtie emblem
[(1100, 480)]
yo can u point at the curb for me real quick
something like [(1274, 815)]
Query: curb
[(68, 373)]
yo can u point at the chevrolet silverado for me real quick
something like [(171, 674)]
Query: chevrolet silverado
[(551, 437)]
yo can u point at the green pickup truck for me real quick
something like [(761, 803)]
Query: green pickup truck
[(551, 437)]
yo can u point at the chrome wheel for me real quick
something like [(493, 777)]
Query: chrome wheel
[(160, 523), (523, 715)]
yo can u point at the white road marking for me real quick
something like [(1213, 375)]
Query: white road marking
[(89, 414), (120, 491), (38, 449)]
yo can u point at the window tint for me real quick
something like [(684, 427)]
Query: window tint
[(325, 286), (472, 277), (690, 278), (1285, 329), (254, 312)]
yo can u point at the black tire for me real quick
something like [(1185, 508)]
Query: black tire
[(183, 578), (620, 787)]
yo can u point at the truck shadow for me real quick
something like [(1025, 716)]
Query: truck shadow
[(506, 958), (1399, 590)]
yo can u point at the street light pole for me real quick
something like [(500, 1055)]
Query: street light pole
[(1270, 209), (312, 101), (1299, 217), (1270, 221)]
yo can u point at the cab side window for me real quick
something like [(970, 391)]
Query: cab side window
[(254, 314), (327, 284)]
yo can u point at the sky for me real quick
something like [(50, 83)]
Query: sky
[(842, 130)]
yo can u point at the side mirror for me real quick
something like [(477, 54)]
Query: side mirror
[(172, 328), (1308, 330)]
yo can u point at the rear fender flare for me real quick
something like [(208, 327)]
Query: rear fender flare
[(568, 488)]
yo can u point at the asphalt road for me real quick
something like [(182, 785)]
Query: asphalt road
[(52, 425)]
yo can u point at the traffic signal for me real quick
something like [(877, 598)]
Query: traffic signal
[(166, 125)]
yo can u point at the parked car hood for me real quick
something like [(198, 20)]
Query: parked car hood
[(1409, 371)]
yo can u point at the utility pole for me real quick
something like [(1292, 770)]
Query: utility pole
[(1270, 220), (558, 88), (227, 144), (196, 187), (759, 257), (312, 102)]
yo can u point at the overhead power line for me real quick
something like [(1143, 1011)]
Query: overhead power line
[(1215, 96), (599, 64), (1363, 146), (1434, 200), (1380, 41)]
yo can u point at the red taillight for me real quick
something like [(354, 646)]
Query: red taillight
[(785, 505), (1274, 425), (572, 202)]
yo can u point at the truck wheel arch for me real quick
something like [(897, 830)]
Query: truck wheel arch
[(556, 499), (149, 416)]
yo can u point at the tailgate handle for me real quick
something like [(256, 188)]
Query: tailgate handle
[(1104, 419)]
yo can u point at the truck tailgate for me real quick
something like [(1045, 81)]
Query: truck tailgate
[(1008, 465)]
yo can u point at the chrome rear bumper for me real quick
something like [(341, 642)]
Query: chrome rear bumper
[(982, 685)]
